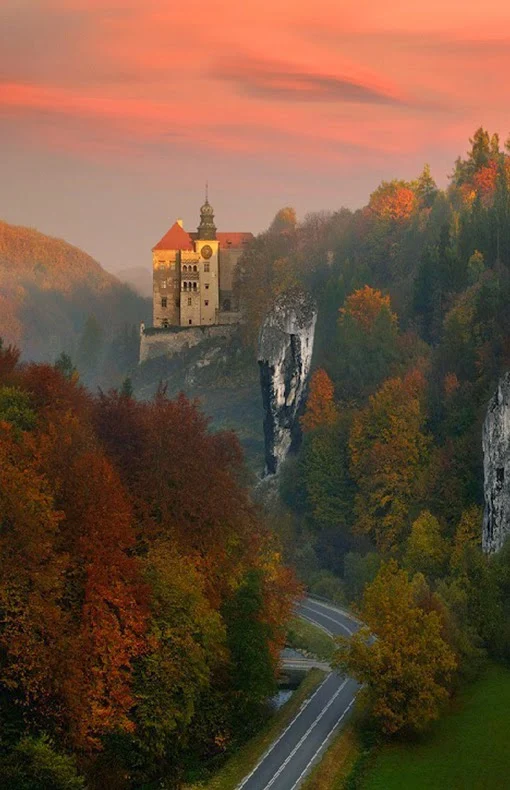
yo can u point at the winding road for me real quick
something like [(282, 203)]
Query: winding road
[(289, 759)]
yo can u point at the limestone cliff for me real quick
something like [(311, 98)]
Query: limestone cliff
[(496, 468), (285, 355)]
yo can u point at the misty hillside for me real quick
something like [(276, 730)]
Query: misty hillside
[(139, 278), (51, 293)]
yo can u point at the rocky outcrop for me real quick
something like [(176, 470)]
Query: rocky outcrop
[(496, 468), (174, 341), (285, 355)]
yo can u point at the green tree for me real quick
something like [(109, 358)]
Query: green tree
[(426, 188), (252, 668), (326, 478), (360, 570), (65, 365), (35, 764), (16, 408)]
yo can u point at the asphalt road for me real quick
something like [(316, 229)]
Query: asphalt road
[(288, 760)]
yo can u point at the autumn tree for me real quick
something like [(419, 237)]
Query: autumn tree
[(400, 655), (367, 342), (320, 405), (393, 201), (32, 578), (389, 451), (284, 221), (426, 547)]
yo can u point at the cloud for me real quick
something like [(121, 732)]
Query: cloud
[(284, 82)]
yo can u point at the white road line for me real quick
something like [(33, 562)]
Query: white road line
[(337, 609), (324, 742), (327, 616), (305, 736), (287, 728)]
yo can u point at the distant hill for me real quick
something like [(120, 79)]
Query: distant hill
[(54, 297), (139, 278)]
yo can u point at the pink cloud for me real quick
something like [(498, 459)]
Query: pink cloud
[(332, 80)]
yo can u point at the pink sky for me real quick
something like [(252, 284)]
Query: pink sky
[(114, 112)]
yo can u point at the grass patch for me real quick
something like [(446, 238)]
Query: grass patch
[(465, 750), (305, 636), (244, 760), (337, 764)]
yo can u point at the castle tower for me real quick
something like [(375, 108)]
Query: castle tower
[(207, 246)]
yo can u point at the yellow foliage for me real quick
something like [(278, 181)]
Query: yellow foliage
[(400, 656), (426, 549), (389, 452)]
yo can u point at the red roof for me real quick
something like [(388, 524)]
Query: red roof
[(175, 239), (233, 240)]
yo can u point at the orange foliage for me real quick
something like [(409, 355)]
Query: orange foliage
[(320, 406), (451, 384), (394, 201), (365, 305), (94, 489), (484, 182), (31, 574)]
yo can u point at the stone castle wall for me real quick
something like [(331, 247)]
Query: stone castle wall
[(174, 340)]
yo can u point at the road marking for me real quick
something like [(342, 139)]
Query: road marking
[(318, 625), (332, 608), (287, 728), (324, 742), (327, 616), (305, 736)]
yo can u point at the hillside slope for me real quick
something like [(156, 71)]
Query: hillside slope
[(49, 290)]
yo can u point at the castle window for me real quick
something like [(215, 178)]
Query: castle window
[(195, 269), (163, 301), (206, 267), (189, 322), (206, 302), (207, 286), (189, 301), (165, 322), (163, 283), (194, 286), (185, 286), (185, 268)]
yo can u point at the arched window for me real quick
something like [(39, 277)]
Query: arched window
[(195, 269), (185, 268), (185, 286), (194, 286)]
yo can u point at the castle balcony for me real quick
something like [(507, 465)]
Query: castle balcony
[(190, 286), (189, 275)]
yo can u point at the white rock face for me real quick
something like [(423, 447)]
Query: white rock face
[(496, 468), (285, 355)]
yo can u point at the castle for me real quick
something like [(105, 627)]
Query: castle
[(193, 274)]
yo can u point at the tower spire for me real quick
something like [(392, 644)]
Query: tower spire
[(207, 228)]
